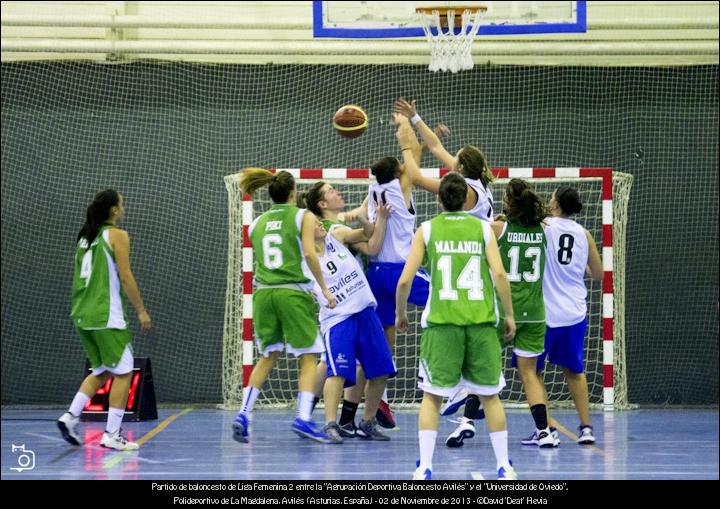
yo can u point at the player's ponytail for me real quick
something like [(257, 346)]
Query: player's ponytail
[(281, 183), (524, 206), (569, 200), (473, 164), (97, 213), (311, 198)]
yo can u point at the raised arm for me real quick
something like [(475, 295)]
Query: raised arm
[(382, 211), (409, 146), (359, 236), (441, 131), (595, 266), (411, 174), (415, 258), (308, 245), (120, 242), (354, 214), (430, 139)]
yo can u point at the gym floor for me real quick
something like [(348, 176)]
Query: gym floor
[(192, 443)]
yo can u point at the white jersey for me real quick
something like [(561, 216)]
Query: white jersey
[(400, 225), (483, 209), (566, 257), (346, 280)]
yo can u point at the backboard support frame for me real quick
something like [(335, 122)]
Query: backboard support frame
[(321, 30)]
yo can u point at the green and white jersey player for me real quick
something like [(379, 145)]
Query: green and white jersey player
[(459, 343), (284, 311), (522, 244), (101, 281)]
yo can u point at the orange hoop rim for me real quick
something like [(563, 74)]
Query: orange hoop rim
[(442, 10)]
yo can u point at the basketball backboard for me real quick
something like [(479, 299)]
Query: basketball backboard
[(377, 19)]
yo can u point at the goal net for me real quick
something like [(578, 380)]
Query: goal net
[(605, 197)]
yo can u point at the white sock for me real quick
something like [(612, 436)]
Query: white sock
[(499, 440), (78, 403), (114, 420), (305, 401), (384, 396), (250, 395), (427, 440)]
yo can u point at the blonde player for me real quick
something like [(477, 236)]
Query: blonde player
[(283, 240)]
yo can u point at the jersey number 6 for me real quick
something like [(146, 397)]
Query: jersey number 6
[(272, 254)]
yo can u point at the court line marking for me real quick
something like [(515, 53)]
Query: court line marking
[(74, 449), (117, 459), (52, 438), (573, 437), (477, 476)]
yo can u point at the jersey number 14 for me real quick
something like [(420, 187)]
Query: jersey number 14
[(469, 279)]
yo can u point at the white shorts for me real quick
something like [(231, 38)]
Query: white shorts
[(125, 366), (317, 348)]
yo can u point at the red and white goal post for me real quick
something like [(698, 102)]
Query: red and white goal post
[(605, 195)]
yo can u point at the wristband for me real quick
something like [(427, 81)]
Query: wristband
[(415, 119)]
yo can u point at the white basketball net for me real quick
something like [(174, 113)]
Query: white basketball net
[(448, 51)]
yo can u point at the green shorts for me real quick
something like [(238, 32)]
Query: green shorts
[(453, 355), (104, 347), (283, 315), (529, 338)]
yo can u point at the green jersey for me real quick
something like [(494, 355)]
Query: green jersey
[(327, 223), (461, 288), (522, 250), (277, 244), (97, 296)]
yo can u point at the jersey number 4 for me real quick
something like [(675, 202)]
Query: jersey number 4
[(469, 279), (86, 267)]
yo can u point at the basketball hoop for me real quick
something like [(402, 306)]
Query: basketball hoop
[(450, 51)]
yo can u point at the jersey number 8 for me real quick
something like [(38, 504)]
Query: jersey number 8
[(565, 252)]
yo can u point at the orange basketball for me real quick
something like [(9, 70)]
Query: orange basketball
[(350, 121)]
